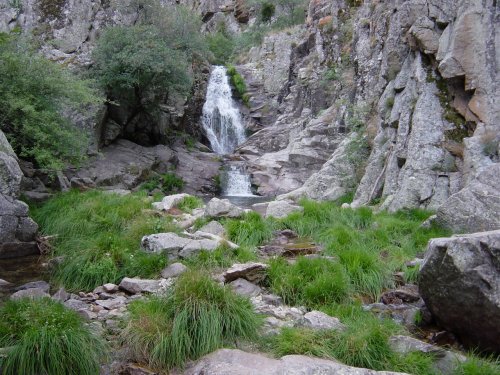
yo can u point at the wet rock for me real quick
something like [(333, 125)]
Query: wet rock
[(173, 270), (406, 293), (135, 286), (445, 360), (43, 285), (253, 272), (214, 227), (460, 278), (281, 209), (237, 362), (222, 208), (318, 320), (32, 293), (170, 201), (244, 287)]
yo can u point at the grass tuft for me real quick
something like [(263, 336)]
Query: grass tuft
[(189, 203), (99, 236), (44, 337), (198, 317)]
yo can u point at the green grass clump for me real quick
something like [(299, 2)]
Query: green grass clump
[(251, 230), (237, 81), (363, 344), (198, 317), (309, 281), (99, 236), (190, 203), (222, 257), (168, 183), (475, 365), (43, 337)]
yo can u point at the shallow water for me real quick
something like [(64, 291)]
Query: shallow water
[(19, 271)]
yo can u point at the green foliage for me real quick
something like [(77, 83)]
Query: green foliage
[(331, 74), (238, 82), (139, 65), (309, 281), (190, 203), (33, 92), (222, 257), (168, 183), (389, 103), (44, 337), (198, 317), (363, 344), (267, 11), (251, 230), (476, 365), (99, 236), (221, 44)]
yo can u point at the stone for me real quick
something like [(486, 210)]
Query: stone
[(76, 304), (406, 293), (222, 208), (61, 295), (319, 320), (111, 304), (460, 277), (173, 270), (423, 30), (110, 288), (43, 285), (281, 209), (171, 201), (253, 272), (237, 362), (164, 242), (214, 227), (134, 369), (135, 286), (4, 284), (244, 288), (445, 361), (476, 207), (32, 293)]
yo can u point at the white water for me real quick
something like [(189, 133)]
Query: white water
[(225, 131), (237, 183), (221, 118)]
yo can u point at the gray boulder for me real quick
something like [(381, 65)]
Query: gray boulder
[(170, 201), (173, 270), (237, 362), (43, 285), (222, 208), (135, 286), (281, 209), (476, 207), (214, 227), (460, 279), (164, 242), (253, 272), (319, 320), (32, 293), (245, 288)]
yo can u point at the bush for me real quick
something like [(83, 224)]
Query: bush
[(238, 83), (168, 183), (33, 93), (43, 337), (99, 235), (198, 317), (221, 44), (267, 11), (310, 282)]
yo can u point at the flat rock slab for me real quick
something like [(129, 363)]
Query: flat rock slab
[(281, 209), (222, 208), (33, 293), (237, 362), (245, 288), (253, 272), (35, 284), (135, 286), (173, 270)]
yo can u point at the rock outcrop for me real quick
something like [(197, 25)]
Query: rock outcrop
[(460, 277), (17, 229), (237, 362)]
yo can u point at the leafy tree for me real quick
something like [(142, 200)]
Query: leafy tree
[(33, 93)]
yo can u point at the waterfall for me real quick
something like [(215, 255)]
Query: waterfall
[(225, 131), (221, 119)]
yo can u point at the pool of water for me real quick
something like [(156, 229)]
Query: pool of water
[(19, 271), (246, 201)]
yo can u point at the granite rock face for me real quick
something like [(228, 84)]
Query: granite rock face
[(17, 229), (460, 277)]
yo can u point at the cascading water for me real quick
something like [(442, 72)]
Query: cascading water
[(225, 131), (221, 117)]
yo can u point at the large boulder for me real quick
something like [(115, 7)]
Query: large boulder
[(237, 362), (460, 284), (477, 206), (17, 230), (222, 208), (281, 209)]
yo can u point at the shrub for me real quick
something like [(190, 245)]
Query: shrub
[(33, 93), (237, 81), (267, 11), (168, 183), (198, 317), (309, 282), (44, 337), (99, 235), (221, 44)]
